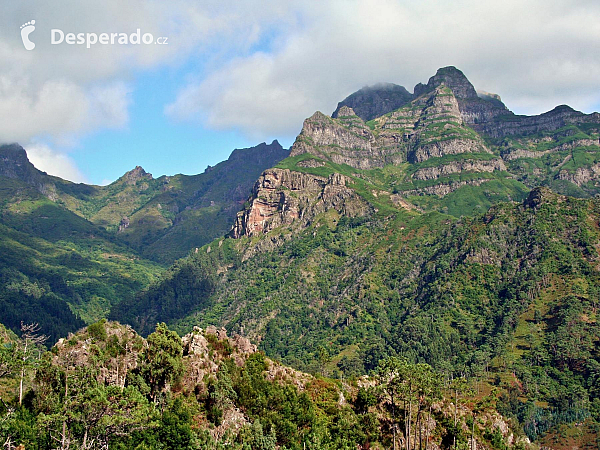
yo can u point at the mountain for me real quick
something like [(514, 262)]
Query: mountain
[(422, 233), (164, 218), (72, 251), (57, 268), (374, 101), (435, 227)]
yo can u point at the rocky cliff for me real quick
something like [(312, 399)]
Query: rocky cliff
[(282, 197), (14, 164)]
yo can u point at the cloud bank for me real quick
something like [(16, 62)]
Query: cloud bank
[(536, 54)]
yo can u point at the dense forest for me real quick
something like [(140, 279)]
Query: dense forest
[(107, 387), (510, 296)]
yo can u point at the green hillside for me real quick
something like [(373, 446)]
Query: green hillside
[(108, 387)]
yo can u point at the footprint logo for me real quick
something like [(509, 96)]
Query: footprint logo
[(26, 30)]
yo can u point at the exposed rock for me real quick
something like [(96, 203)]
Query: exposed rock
[(511, 155), (538, 196), (448, 147), (443, 189), (281, 197), (512, 125), (310, 163), (195, 343), (582, 175), (451, 77), (124, 224), (429, 173), (15, 164), (353, 144), (135, 175)]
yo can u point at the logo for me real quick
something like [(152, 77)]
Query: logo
[(26, 30), (90, 39)]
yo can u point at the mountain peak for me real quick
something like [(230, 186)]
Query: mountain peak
[(135, 175), (260, 153), (451, 77), (15, 164), (374, 101)]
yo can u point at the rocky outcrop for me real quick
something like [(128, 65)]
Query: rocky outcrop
[(430, 173), (281, 197), (133, 176), (440, 129), (473, 108), (347, 140), (448, 147), (443, 189), (511, 155), (431, 126), (375, 101), (512, 125), (81, 349), (451, 77), (15, 164), (582, 175), (199, 348)]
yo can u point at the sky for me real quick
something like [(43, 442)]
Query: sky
[(235, 73)]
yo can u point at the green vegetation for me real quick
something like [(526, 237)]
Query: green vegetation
[(125, 392), (57, 269), (453, 294)]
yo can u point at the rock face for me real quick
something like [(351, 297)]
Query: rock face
[(582, 175), (512, 125), (346, 140), (474, 109), (15, 164), (135, 175), (430, 173), (451, 77), (281, 197), (375, 101), (432, 126)]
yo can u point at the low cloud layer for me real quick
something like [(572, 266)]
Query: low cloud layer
[(535, 54)]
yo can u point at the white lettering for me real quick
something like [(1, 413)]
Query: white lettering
[(91, 39), (53, 34), (135, 35)]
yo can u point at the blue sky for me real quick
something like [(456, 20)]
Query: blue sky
[(236, 73), (159, 144)]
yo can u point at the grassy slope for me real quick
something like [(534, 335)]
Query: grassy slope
[(56, 267)]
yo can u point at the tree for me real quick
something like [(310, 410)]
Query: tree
[(220, 394), (28, 350), (162, 360), (8, 360)]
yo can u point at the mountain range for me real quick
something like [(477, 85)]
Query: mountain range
[(435, 225)]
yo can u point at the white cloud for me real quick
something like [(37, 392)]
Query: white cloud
[(64, 91), (267, 64), (54, 163), (536, 54)]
